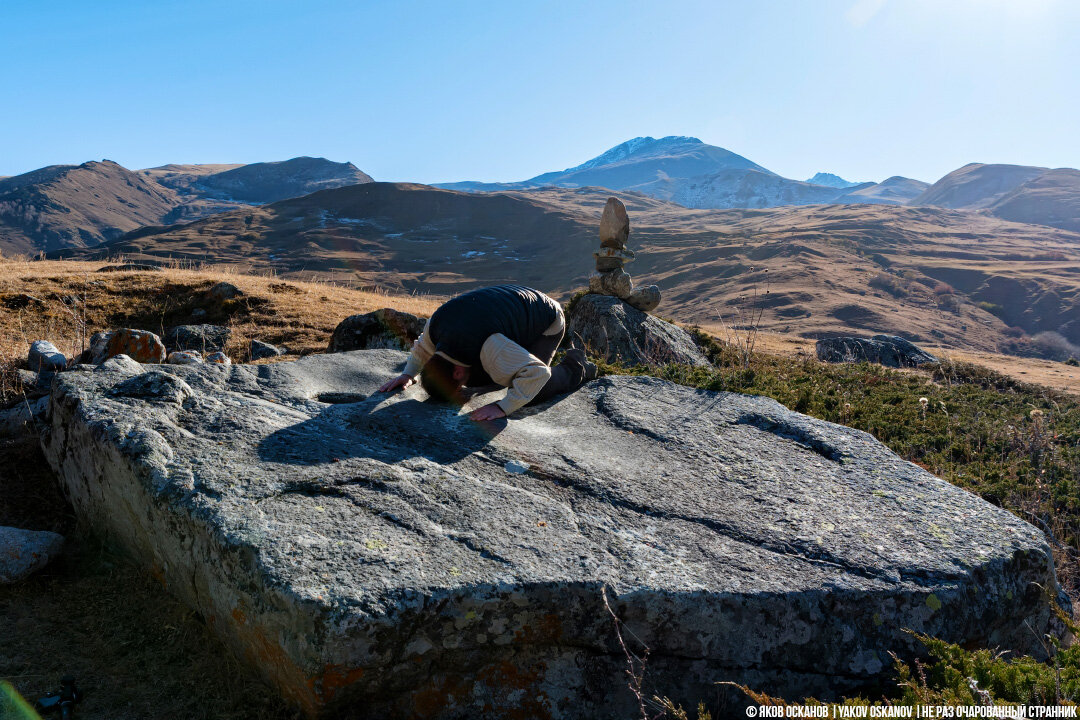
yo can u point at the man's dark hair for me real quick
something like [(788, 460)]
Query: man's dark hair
[(437, 378)]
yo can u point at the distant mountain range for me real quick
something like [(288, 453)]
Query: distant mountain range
[(691, 173), (686, 171), (83, 205)]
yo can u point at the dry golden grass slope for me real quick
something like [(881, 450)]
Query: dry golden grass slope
[(69, 301)]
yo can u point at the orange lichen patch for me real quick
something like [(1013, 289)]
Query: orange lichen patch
[(510, 691), (546, 630), (270, 658), (158, 573), (506, 677), (429, 700), (139, 345), (333, 679)]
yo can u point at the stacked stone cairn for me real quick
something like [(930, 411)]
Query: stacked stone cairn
[(610, 278)]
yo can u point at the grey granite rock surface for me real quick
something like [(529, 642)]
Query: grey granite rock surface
[(383, 555)]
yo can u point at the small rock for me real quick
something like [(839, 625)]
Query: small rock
[(97, 353), (198, 313), (260, 350), (204, 338), (614, 224), (385, 328), (44, 355), (24, 418), (516, 467), (141, 346), (616, 283), (224, 291), (23, 552), (218, 358), (185, 357), (645, 298)]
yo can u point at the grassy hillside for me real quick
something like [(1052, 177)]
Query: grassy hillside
[(939, 276)]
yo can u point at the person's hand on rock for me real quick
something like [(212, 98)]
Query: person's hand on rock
[(488, 412), (401, 381)]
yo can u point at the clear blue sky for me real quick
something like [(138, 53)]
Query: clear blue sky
[(442, 91)]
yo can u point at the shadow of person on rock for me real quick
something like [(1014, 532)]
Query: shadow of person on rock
[(389, 431)]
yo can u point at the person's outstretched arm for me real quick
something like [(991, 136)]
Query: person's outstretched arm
[(421, 352), (514, 367)]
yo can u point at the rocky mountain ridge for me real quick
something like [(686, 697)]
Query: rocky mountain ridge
[(65, 206)]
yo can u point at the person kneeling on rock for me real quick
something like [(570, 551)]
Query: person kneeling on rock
[(501, 335)]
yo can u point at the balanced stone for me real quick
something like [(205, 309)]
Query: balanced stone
[(612, 282), (644, 298), (386, 556), (614, 225)]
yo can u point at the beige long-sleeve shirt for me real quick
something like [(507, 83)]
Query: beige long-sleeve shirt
[(506, 362)]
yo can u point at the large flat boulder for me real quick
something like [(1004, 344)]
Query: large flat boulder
[(384, 555)]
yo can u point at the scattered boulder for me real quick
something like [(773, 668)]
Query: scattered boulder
[(184, 357), (390, 554), (204, 338), (24, 418), (888, 350), (45, 356), (218, 358), (260, 350), (141, 346), (619, 333), (23, 552), (129, 267), (385, 328), (35, 384), (223, 291)]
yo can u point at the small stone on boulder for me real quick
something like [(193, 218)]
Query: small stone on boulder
[(23, 552), (44, 356), (154, 385), (185, 357), (260, 350), (385, 328), (619, 333), (888, 350), (204, 338), (218, 358)]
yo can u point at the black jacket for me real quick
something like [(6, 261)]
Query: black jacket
[(460, 326)]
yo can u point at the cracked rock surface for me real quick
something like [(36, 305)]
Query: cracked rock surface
[(385, 556)]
